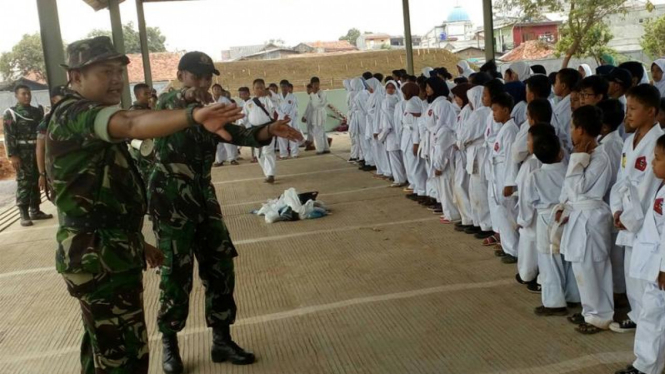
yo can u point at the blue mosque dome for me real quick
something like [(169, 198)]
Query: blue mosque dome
[(458, 14)]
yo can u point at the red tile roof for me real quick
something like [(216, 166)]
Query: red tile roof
[(530, 50)]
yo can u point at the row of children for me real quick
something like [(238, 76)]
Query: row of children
[(562, 174)]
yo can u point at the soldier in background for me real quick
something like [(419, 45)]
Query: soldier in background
[(20, 125), (57, 93)]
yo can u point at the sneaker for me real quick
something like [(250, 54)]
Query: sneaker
[(627, 325), (630, 369), (534, 288), (544, 311)]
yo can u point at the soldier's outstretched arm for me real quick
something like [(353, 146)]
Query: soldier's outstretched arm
[(155, 124)]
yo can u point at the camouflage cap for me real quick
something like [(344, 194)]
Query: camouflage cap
[(89, 51), (197, 63)]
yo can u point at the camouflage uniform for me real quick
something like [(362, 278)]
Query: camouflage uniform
[(188, 222), (20, 126), (101, 204), (144, 164)]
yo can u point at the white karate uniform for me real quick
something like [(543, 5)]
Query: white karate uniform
[(612, 144), (410, 136), (473, 143), (389, 135), (374, 127), (355, 86), (518, 153), (646, 264), (630, 195), (308, 121), (519, 112), (255, 116), (506, 207), (586, 239), (491, 131), (441, 121), (318, 116), (288, 107), (225, 151), (425, 152), (527, 255), (562, 116), (363, 116), (537, 199), (461, 177)]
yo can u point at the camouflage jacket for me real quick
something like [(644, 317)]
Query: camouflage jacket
[(97, 190), (20, 126), (180, 188)]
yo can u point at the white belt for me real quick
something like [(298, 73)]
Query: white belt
[(26, 142), (586, 204)]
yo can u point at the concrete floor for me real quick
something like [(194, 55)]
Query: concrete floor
[(380, 286)]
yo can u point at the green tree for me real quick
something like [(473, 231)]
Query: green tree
[(156, 41), (25, 57), (584, 17), (653, 40), (351, 36)]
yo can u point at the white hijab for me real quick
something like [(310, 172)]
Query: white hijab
[(398, 92), (376, 96), (347, 84), (427, 71), (645, 76), (466, 69), (522, 69), (587, 70), (660, 84)]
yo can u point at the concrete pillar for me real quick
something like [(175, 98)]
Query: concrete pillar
[(143, 36), (54, 55), (119, 43), (489, 30), (407, 36)]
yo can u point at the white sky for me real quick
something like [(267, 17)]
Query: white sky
[(214, 25)]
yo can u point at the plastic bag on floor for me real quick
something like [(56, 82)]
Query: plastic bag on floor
[(292, 206)]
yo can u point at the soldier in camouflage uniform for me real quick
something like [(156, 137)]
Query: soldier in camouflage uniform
[(101, 202), (20, 125), (57, 93), (188, 219), (143, 93)]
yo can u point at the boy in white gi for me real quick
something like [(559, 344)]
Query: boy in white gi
[(539, 111), (566, 80), (307, 120), (648, 255), (260, 111), (288, 107), (504, 219), (461, 179), (629, 199), (612, 144), (318, 116), (539, 196), (587, 222)]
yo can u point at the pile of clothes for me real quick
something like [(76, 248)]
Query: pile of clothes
[(291, 206)]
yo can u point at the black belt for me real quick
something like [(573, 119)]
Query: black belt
[(102, 222)]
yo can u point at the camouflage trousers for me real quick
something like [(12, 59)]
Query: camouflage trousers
[(27, 178), (115, 340), (180, 245), (143, 164)]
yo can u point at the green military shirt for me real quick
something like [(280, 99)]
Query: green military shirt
[(180, 189), (97, 190), (20, 125)]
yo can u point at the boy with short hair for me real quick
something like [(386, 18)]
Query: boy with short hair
[(318, 115), (566, 80), (260, 111), (504, 218), (288, 109), (593, 90), (587, 222), (142, 92), (649, 343), (629, 198), (307, 119)]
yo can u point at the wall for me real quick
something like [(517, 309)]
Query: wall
[(533, 33)]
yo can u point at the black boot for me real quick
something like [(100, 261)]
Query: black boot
[(36, 214), (224, 349), (25, 216), (171, 361)]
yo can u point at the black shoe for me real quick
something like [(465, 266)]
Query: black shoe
[(412, 196), (508, 259), (534, 287), (547, 312), (626, 325), (630, 369), (483, 234), (574, 305), (25, 216), (520, 280), (473, 230), (462, 228), (171, 361), (270, 180), (224, 349), (36, 214)]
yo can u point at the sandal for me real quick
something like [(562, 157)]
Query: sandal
[(588, 329), (576, 319), (490, 241)]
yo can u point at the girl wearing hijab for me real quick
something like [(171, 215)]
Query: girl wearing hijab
[(389, 135), (472, 142), (464, 69), (410, 141), (374, 128), (361, 115), (354, 86), (518, 71), (461, 177), (657, 69), (517, 89), (440, 120), (585, 70)]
